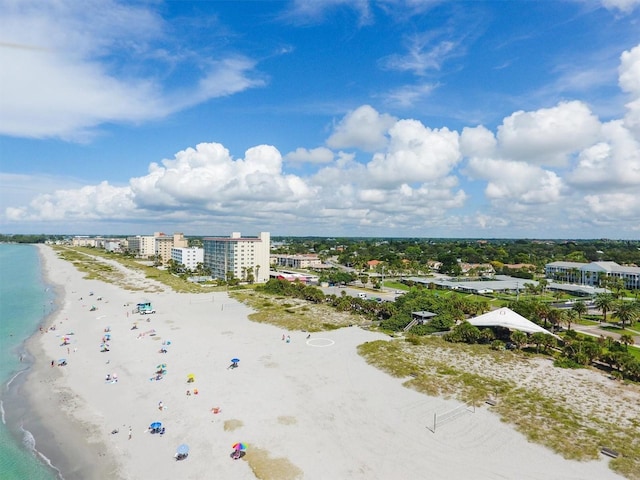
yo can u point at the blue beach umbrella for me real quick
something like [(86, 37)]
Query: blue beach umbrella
[(235, 360), (155, 425), (183, 449)]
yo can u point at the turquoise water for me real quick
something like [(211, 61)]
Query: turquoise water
[(24, 302)]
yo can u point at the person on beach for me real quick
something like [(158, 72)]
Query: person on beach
[(130, 433), (160, 405), (288, 339), (52, 363)]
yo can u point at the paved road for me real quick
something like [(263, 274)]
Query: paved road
[(386, 294), (596, 331)]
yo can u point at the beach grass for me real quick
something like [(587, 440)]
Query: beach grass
[(92, 262), (293, 314), (541, 417)]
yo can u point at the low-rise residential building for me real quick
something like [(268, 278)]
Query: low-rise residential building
[(84, 241), (246, 258), (188, 257), (295, 277), (296, 261), (593, 273)]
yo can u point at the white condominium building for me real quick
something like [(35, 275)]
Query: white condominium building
[(593, 273), (247, 258), (296, 261), (188, 257)]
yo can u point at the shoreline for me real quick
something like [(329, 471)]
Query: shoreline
[(43, 419), (312, 408)]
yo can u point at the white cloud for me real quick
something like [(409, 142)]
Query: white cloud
[(629, 80), (616, 207), (60, 76), (516, 184), (625, 6), (611, 164), (549, 135), (423, 55), (409, 95), (416, 154), (477, 142), (363, 128), (208, 178), (315, 155), (91, 202), (306, 12)]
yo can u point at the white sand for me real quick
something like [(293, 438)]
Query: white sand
[(320, 407)]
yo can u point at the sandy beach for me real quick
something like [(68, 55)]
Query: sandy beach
[(306, 408)]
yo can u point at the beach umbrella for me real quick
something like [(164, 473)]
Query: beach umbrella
[(235, 360), (155, 425), (62, 360), (182, 449), (239, 446)]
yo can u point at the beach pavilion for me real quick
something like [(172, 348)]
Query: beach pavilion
[(507, 318)]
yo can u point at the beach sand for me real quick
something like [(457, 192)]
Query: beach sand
[(308, 408)]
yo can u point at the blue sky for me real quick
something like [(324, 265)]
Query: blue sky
[(409, 118)]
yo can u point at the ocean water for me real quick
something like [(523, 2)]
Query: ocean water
[(25, 301)]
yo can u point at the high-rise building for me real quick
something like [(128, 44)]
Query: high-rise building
[(143, 246), (246, 258), (164, 244)]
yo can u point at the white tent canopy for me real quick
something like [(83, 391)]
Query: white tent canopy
[(507, 318)]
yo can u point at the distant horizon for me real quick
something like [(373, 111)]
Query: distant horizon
[(337, 237), (368, 118)]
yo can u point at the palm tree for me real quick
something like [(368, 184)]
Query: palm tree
[(604, 302), (537, 339), (580, 308), (542, 285), (542, 312), (569, 317), (548, 341), (625, 312), (626, 339), (555, 316), (519, 338), (487, 335)]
